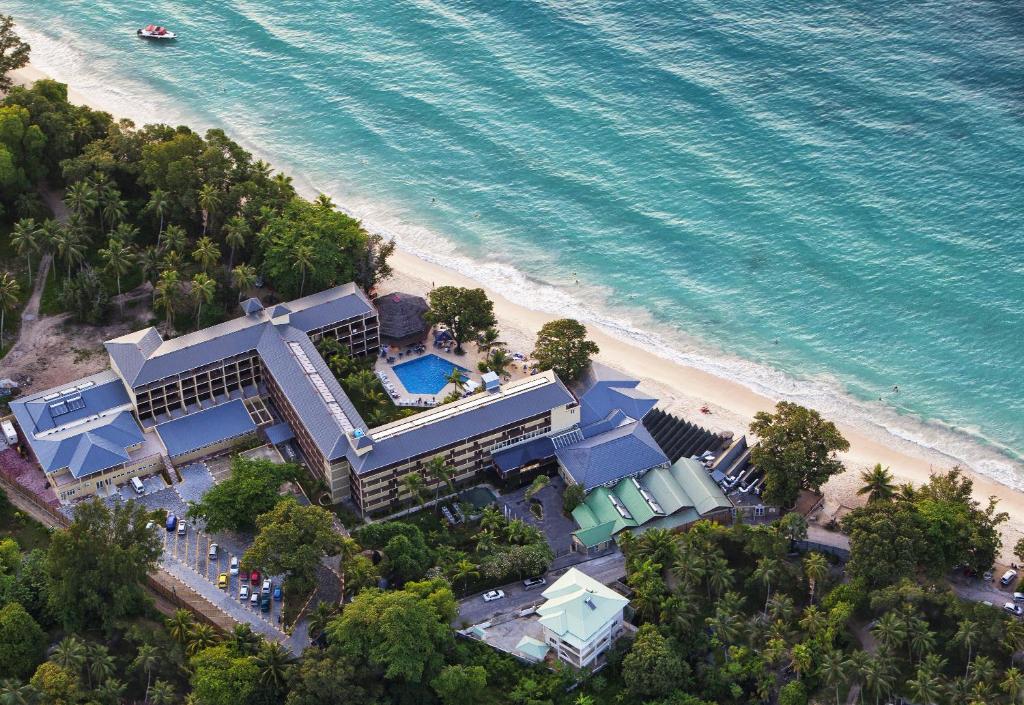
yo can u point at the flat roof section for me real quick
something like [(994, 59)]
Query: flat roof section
[(205, 428)]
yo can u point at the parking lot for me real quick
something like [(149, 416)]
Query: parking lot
[(187, 556)]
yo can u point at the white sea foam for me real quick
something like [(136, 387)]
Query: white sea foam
[(127, 97)]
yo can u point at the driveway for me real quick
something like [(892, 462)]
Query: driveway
[(556, 526), (473, 609)]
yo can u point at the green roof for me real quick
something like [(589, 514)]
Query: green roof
[(630, 496), (707, 496), (532, 648)]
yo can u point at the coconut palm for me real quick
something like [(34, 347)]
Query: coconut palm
[(815, 568), (174, 238), (302, 260), (768, 569), (414, 485), (438, 469), (584, 699), (101, 664), (12, 692), (832, 670), (890, 631), (491, 518), (236, 232), (1013, 684), (497, 361), (464, 570), (146, 659), (878, 677), (114, 209), (180, 625), (25, 239), (162, 693), (323, 613), (878, 484), (149, 262), (111, 690), (926, 688), (781, 608), (516, 531), (167, 288), (70, 654), (457, 378), (201, 637), (10, 294), (489, 339), (274, 662), (125, 232), (485, 540), (968, 633), (1013, 637), (206, 253), (719, 575), (243, 277), (81, 199), (983, 669), (921, 639), (48, 233), (209, 201), (690, 568), (29, 205), (70, 246), (244, 640), (856, 666), (324, 201), (118, 259), (658, 545), (203, 289), (725, 627), (159, 204), (813, 621)]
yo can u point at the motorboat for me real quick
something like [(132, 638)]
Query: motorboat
[(152, 31)]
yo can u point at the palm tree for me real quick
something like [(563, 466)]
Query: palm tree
[(485, 540), (497, 361), (968, 634), (438, 469), (781, 608), (206, 253), (725, 626), (111, 690), (236, 232), (878, 484), (856, 665), (491, 518), (324, 201), (890, 631), (766, 572), (167, 293), (464, 570), (209, 201), (922, 639), (174, 238), (719, 575), (81, 199), (101, 664), (584, 699), (180, 626), (456, 377), (815, 568), (1013, 638), (878, 677), (1013, 684), (10, 293), (832, 669), (813, 621), (516, 531), (302, 259), (118, 259), (274, 662), (69, 654), (12, 692), (202, 637), (162, 693), (146, 658), (926, 688), (489, 339), (414, 485), (125, 232), (243, 277), (70, 246), (149, 262), (114, 209), (29, 205), (203, 289), (158, 205), (690, 568), (983, 669), (323, 613), (25, 239), (244, 639)]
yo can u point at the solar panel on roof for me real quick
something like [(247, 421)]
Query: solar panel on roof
[(75, 403), (51, 397), (321, 387), (58, 408)]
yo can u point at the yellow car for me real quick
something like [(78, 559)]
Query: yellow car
[(222, 581)]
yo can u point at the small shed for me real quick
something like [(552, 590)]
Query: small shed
[(401, 317)]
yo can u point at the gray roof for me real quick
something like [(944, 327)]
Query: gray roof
[(143, 357), (203, 428), (612, 455), (85, 426), (401, 315)]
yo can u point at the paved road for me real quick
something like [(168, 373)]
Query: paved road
[(473, 609)]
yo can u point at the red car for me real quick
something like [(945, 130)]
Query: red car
[(254, 578)]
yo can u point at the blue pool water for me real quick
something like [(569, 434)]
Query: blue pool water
[(425, 375), (820, 200)]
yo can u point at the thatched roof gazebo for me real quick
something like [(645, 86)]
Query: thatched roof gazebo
[(401, 318)]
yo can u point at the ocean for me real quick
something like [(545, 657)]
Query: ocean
[(820, 200)]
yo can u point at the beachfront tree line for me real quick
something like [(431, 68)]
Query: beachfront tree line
[(197, 217)]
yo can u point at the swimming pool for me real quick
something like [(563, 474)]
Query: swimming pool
[(427, 374)]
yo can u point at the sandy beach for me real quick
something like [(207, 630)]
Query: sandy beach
[(683, 390)]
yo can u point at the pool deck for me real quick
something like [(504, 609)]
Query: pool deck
[(467, 361)]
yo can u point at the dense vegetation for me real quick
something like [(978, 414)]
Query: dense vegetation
[(251, 490)]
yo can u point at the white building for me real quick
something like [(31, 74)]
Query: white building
[(581, 618)]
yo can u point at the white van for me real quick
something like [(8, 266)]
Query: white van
[(138, 486)]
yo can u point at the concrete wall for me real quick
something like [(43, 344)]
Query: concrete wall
[(212, 449), (119, 475)]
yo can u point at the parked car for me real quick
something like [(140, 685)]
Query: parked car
[(1018, 597), (264, 603), (254, 599), (182, 528), (987, 577), (254, 577), (493, 595), (150, 526), (222, 580), (531, 583), (1013, 608), (268, 585), (243, 575), (1008, 577), (172, 522), (277, 593), (137, 485), (233, 569), (213, 551), (243, 593)]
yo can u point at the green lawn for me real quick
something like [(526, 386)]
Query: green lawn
[(14, 523)]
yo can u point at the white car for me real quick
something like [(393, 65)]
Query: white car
[(243, 593), (1008, 577), (267, 585), (493, 595), (255, 599), (233, 569), (1013, 608)]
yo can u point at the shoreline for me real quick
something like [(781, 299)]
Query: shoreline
[(683, 389)]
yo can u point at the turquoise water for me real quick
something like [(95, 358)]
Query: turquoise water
[(426, 375), (819, 199)]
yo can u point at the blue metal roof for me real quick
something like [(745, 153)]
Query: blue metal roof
[(279, 433), (84, 426), (206, 427), (603, 389), (519, 455), (608, 457)]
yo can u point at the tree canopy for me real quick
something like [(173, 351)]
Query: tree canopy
[(21, 642), (466, 312), (292, 539), (251, 490), (797, 450), (13, 51), (562, 346)]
